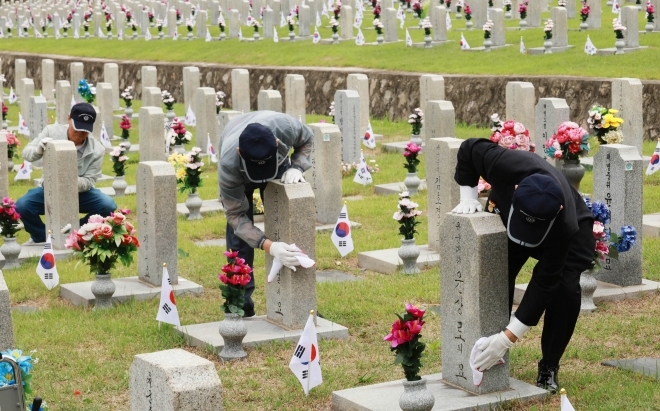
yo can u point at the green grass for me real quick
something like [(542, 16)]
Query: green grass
[(79, 349), (447, 58)]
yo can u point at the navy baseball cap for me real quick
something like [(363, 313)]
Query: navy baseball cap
[(258, 149), (534, 208), (83, 116)]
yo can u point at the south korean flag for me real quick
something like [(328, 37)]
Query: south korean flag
[(341, 235), (25, 172), (654, 164), (167, 311), (306, 362), (363, 176), (46, 268)]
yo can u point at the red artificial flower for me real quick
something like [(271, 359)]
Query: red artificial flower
[(416, 312)]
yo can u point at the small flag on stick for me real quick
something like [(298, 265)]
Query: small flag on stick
[(341, 235), (46, 268), (305, 362), (167, 311)]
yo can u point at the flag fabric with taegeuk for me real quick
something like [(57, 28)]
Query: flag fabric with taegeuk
[(167, 311), (363, 176), (369, 140), (210, 150), (523, 49), (306, 362), (46, 268), (654, 164), (589, 47), (317, 36), (22, 126), (190, 120), (566, 404), (12, 96), (105, 138), (464, 43), (25, 172), (341, 235)]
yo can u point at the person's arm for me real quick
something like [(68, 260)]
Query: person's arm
[(93, 172), (32, 151), (302, 145)]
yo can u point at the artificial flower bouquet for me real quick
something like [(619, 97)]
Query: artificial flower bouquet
[(181, 135), (219, 101), (411, 153), (24, 362), (584, 12), (570, 143), (407, 216), (608, 244), (86, 91), (235, 277), (522, 10), (605, 124), (127, 96), (12, 145), (416, 119), (125, 125), (168, 100), (511, 134), (405, 338), (103, 241), (119, 158), (9, 224)]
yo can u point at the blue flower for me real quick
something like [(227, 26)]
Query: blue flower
[(601, 212), (587, 201), (627, 239)]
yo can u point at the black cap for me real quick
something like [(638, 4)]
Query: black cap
[(258, 148), (534, 208), (83, 116)]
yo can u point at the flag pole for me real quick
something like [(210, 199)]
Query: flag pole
[(164, 265), (309, 376)]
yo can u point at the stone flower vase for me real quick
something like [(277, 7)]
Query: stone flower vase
[(170, 116), (223, 36), (335, 38), (408, 253), (180, 149), (649, 27), (427, 42), (233, 330), (190, 35), (412, 182), (487, 45), (508, 15), (194, 204), (255, 36), (573, 171), (292, 36), (620, 43), (417, 139), (584, 26), (4, 124), (126, 143), (469, 25), (548, 47), (10, 164), (119, 185), (416, 397), (161, 34), (523, 24), (459, 16), (380, 39), (103, 288), (10, 250), (129, 112), (588, 284)]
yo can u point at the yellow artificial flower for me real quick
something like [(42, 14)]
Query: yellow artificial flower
[(180, 173), (610, 121), (612, 111)]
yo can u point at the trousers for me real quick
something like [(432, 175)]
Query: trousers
[(31, 208), (562, 309)]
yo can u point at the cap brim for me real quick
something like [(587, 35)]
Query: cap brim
[(80, 126), (261, 173), (524, 233)]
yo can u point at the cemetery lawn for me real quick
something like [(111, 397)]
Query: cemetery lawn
[(445, 59), (80, 349)]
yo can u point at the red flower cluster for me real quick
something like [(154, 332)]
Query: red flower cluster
[(8, 210), (404, 331), (178, 127), (125, 123), (235, 272)]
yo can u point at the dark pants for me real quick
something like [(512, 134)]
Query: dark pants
[(31, 208), (246, 252), (563, 307)]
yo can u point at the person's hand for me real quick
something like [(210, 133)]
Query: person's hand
[(493, 350), (292, 176), (42, 145), (469, 203), (286, 254)]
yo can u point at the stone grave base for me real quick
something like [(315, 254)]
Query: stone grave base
[(651, 225), (37, 181), (606, 291), (395, 188), (433, 43), (30, 251), (111, 191), (388, 261), (385, 396), (127, 288), (260, 331), (375, 43), (329, 40), (646, 32), (541, 50), (397, 147), (610, 51), (483, 49), (250, 39), (134, 147), (208, 206), (648, 367)]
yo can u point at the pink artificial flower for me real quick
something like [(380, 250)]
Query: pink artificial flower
[(519, 128), (118, 218), (96, 219), (599, 229), (602, 248), (416, 312), (106, 231), (495, 138), (72, 241), (509, 125), (415, 326), (231, 254), (129, 228)]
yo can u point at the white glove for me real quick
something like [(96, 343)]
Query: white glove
[(286, 254), (42, 145), (469, 203), (292, 176), (493, 349)]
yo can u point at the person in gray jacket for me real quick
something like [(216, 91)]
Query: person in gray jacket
[(255, 150), (90, 160)]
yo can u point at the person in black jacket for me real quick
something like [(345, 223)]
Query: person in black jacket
[(546, 219)]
